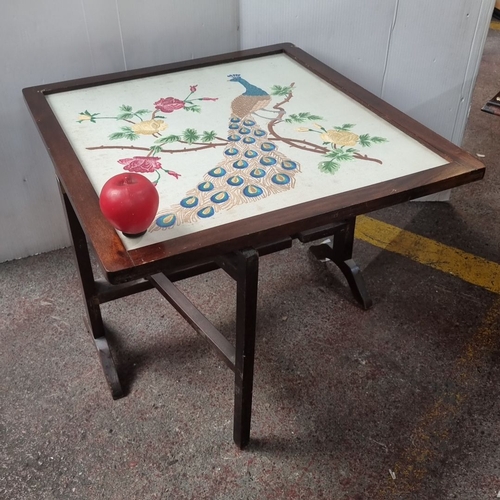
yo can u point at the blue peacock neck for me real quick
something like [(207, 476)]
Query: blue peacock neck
[(251, 90)]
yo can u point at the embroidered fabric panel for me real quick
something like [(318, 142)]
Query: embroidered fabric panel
[(231, 141)]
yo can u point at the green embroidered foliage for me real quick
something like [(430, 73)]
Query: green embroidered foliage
[(366, 141), (279, 90), (168, 139), (126, 133), (302, 117), (329, 166), (195, 108), (155, 150), (335, 158), (125, 116), (208, 136), (127, 113), (345, 127), (190, 135), (340, 154)]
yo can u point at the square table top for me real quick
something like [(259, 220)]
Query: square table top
[(243, 148)]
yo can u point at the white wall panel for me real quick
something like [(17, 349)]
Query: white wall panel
[(102, 25), (41, 41), (432, 61), (350, 36), (420, 56), (161, 31), (57, 40)]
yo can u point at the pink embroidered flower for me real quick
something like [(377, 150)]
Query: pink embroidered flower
[(209, 98), (193, 88), (173, 174), (169, 104), (141, 164)]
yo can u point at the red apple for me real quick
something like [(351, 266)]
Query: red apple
[(130, 202)]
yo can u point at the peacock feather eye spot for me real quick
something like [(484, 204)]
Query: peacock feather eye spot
[(217, 172), (249, 123), (205, 186), (235, 120), (267, 161), (189, 202), (236, 180), (280, 179), (259, 133), (251, 153), (206, 212), (252, 191), (220, 197), (248, 140), (289, 165), (234, 126), (244, 130), (166, 220), (240, 164), (267, 146), (258, 173), (231, 152), (233, 137)]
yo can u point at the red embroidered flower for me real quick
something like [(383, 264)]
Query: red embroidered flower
[(193, 88), (141, 164), (169, 104)]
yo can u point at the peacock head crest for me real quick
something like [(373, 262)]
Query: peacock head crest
[(234, 78)]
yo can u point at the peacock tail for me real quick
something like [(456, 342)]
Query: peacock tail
[(252, 169)]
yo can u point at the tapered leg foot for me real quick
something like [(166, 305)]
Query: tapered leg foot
[(108, 367), (349, 269), (107, 363), (339, 251), (356, 282)]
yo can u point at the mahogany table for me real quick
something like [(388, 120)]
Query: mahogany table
[(248, 151)]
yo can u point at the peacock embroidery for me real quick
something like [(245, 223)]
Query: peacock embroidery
[(252, 167)]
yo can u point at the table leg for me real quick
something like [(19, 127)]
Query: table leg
[(246, 313), (93, 321), (340, 253)]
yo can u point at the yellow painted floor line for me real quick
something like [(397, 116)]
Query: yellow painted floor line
[(495, 25), (437, 423), (466, 266)]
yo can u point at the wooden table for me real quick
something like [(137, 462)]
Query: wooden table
[(248, 151)]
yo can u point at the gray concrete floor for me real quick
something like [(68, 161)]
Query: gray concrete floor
[(343, 397)]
